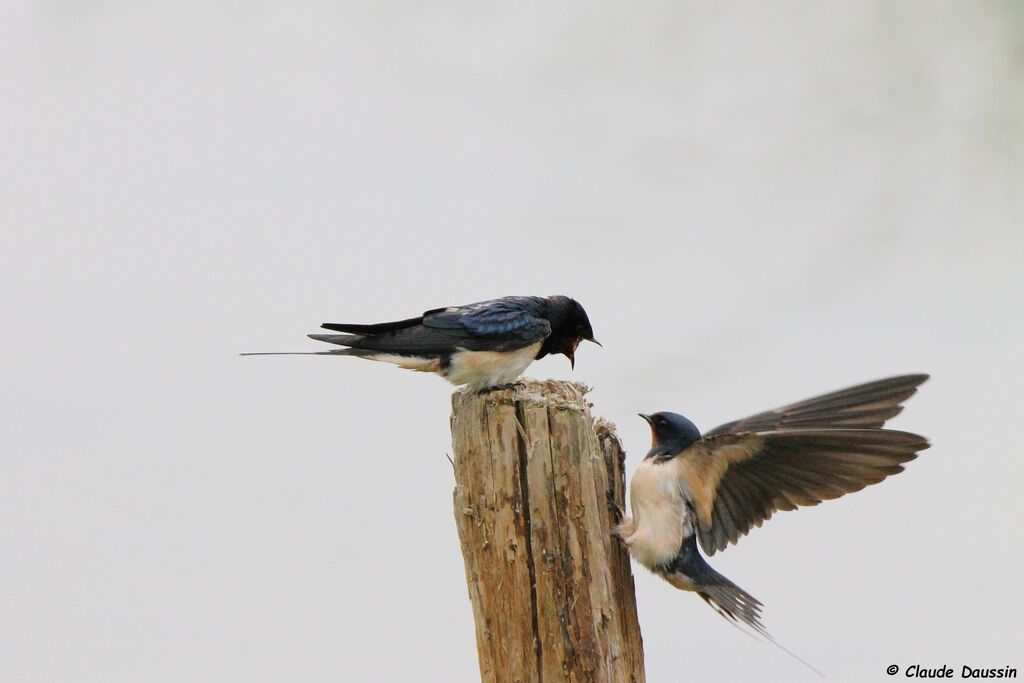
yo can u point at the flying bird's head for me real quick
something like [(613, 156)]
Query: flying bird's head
[(670, 433), (569, 326)]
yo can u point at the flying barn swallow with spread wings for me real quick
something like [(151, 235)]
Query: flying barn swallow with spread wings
[(713, 488), (481, 345)]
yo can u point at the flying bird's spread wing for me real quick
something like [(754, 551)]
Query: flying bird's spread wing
[(738, 474), (736, 481), (865, 406), (498, 325)]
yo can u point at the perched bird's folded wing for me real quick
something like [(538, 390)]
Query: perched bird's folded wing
[(505, 324), (512, 318), (865, 406), (736, 481), (376, 328)]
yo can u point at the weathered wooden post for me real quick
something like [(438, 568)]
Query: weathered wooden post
[(552, 592)]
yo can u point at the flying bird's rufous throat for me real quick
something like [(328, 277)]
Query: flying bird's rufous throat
[(713, 488)]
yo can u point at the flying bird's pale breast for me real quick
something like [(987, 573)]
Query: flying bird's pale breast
[(708, 490), (660, 518)]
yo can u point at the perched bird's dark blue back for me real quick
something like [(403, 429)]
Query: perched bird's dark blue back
[(481, 345)]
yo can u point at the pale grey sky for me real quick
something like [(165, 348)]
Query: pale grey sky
[(755, 202)]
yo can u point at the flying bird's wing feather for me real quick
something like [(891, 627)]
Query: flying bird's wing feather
[(737, 481), (865, 406)]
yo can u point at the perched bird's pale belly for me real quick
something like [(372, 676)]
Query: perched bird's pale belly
[(480, 369), (660, 518)]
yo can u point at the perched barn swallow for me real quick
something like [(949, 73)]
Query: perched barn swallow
[(481, 345), (714, 487)]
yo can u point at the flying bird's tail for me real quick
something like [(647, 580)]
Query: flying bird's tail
[(733, 603), (689, 571), (739, 606)]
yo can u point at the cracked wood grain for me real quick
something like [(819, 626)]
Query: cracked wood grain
[(551, 591)]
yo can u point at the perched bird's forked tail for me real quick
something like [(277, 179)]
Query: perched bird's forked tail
[(377, 328), (334, 352), (480, 345)]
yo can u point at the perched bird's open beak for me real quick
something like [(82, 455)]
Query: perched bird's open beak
[(591, 339)]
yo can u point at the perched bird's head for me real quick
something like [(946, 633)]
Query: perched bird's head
[(569, 326), (670, 433)]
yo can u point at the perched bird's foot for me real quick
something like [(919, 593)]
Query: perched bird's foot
[(500, 387), (613, 507)]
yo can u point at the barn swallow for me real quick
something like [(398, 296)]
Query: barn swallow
[(713, 488), (481, 345)]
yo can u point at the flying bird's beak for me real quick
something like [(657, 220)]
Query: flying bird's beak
[(572, 358), (650, 423), (591, 339)]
